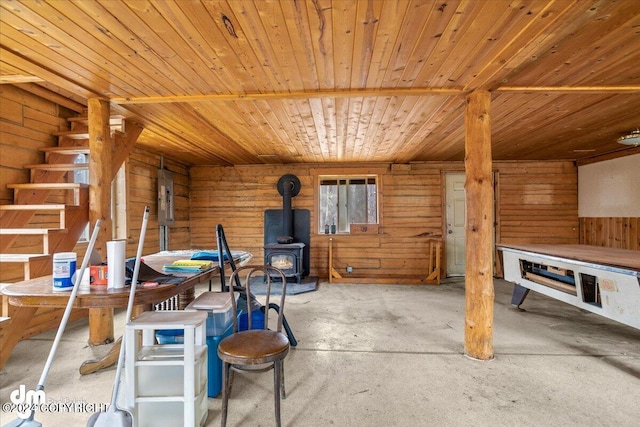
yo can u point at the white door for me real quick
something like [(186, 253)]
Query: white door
[(455, 216)]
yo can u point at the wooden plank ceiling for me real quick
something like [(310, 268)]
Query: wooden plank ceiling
[(230, 82)]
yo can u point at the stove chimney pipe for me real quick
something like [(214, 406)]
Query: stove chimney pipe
[(288, 187)]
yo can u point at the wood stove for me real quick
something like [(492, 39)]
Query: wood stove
[(286, 257), (286, 238)]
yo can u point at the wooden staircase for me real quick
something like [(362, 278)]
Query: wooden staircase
[(48, 215)]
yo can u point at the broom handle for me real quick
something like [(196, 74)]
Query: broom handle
[(67, 311), (134, 282)]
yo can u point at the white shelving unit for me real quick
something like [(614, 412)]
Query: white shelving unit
[(167, 383)]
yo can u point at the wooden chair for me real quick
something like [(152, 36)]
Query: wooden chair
[(255, 350)]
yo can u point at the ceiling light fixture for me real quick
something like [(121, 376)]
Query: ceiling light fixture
[(633, 138)]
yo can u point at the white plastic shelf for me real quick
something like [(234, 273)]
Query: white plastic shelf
[(167, 383)]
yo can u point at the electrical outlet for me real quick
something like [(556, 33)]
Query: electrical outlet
[(349, 269)]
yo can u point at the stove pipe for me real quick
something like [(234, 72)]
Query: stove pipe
[(287, 213), (288, 187)]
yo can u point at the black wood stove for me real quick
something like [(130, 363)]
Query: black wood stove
[(287, 257), (287, 233)]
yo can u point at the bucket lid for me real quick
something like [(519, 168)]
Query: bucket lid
[(64, 255), (216, 302)]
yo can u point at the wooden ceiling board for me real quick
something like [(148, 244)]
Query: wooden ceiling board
[(572, 54), (234, 82), (44, 31)]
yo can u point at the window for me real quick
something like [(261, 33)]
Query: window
[(82, 177), (118, 198), (346, 200)]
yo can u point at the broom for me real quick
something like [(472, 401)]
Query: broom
[(29, 421), (114, 416)]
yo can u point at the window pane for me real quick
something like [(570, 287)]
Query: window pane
[(328, 204), (347, 200), (357, 202), (372, 203), (343, 212)]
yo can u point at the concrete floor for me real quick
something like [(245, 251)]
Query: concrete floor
[(385, 355)]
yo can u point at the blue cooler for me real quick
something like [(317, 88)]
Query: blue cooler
[(219, 325)]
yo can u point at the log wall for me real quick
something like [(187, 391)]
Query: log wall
[(536, 203), (142, 190)]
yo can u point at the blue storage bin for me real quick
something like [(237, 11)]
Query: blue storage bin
[(214, 386), (218, 305), (170, 336)]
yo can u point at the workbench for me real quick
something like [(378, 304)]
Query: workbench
[(605, 281)]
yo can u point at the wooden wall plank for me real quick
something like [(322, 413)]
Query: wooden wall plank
[(538, 202), (611, 232)]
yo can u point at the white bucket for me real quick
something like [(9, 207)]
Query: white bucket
[(64, 270)]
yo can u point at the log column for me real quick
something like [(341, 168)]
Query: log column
[(100, 175), (479, 294)]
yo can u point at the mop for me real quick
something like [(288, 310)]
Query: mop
[(29, 421), (114, 416)]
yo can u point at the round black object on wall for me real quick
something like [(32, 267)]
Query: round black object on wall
[(291, 180)]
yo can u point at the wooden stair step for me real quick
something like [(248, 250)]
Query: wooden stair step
[(75, 149), (48, 186), (22, 258), (59, 166), (114, 120), (82, 133), (46, 207), (30, 231), (46, 234), (73, 134), (28, 261)]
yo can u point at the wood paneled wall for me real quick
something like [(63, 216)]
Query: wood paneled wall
[(142, 190), (536, 202), (622, 233)]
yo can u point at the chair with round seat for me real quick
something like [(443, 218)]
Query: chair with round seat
[(255, 350)]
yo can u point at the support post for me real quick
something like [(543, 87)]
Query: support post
[(100, 175), (479, 293)]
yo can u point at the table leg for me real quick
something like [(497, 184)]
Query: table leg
[(100, 326)]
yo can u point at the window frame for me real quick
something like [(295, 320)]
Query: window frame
[(346, 173)]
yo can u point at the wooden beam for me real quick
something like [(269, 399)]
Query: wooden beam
[(100, 171), (18, 78), (479, 293), (123, 145), (571, 89), (52, 96), (346, 93)]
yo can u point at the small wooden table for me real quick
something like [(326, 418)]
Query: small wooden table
[(31, 294)]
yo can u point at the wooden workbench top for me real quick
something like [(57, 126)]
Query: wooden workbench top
[(622, 258)]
